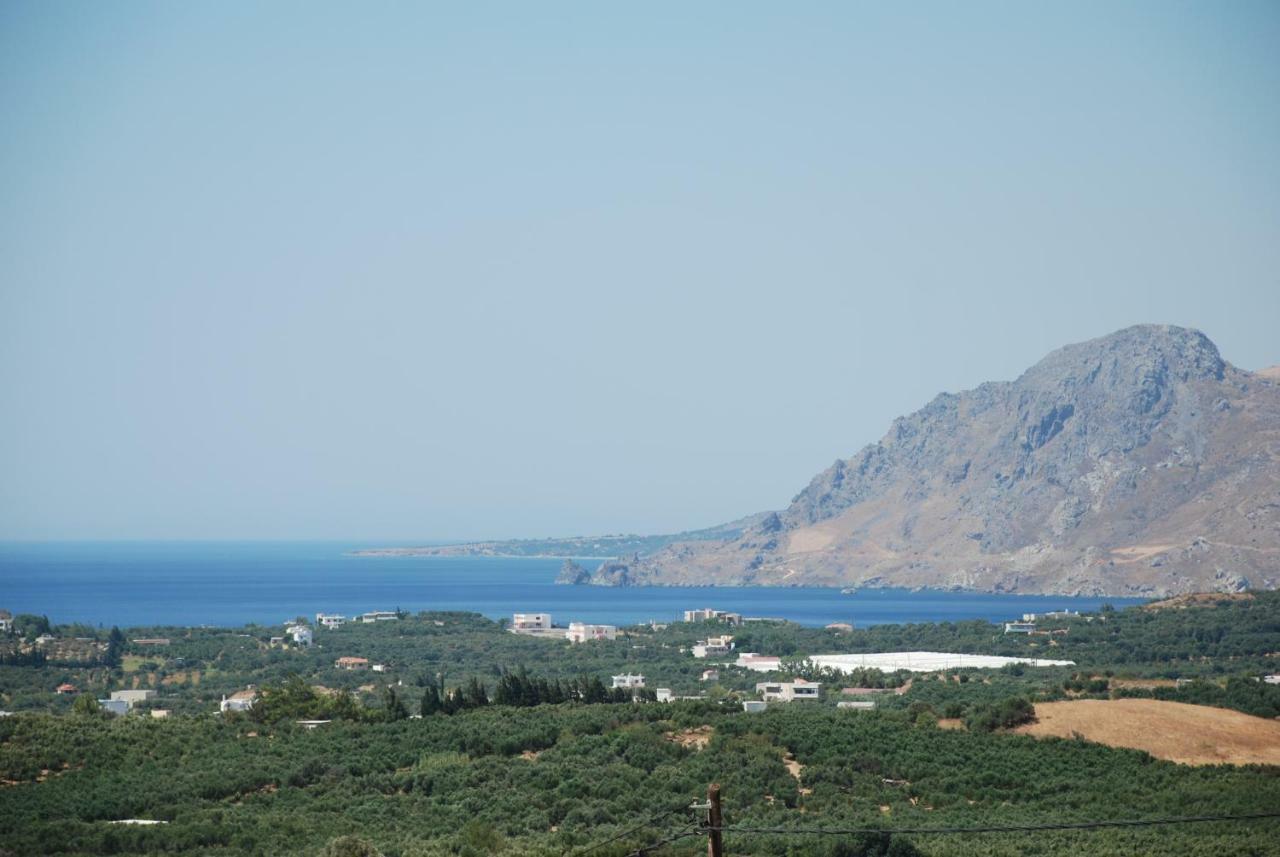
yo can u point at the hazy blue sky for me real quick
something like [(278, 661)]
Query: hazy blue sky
[(401, 271)]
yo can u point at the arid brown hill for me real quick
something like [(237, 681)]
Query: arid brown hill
[(1139, 463)]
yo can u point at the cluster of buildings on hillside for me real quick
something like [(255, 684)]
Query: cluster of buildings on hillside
[(540, 624), (1028, 623), (333, 621), (123, 701)]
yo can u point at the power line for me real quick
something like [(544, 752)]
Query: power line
[(646, 823), (694, 830), (1004, 828)]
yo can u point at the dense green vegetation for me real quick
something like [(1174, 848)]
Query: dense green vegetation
[(1242, 694), (541, 780), (476, 741)]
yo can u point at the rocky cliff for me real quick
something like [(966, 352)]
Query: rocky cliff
[(1140, 463)]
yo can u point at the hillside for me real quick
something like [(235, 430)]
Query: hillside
[(1139, 463), (571, 546)]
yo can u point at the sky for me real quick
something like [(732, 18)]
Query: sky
[(397, 272)]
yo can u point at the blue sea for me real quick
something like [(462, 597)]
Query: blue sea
[(238, 583)]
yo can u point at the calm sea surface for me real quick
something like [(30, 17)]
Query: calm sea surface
[(236, 583)]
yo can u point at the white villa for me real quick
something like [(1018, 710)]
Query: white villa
[(132, 697), (631, 682), (706, 613), (1052, 614), (330, 620), (531, 622), (348, 662), (241, 700), (789, 691), (713, 646), (301, 635), (379, 616), (580, 632)]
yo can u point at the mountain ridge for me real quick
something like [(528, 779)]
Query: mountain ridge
[(1137, 463)]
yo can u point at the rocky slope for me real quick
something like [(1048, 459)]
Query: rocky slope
[(1140, 463)]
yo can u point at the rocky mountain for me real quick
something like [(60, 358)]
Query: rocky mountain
[(1140, 463)]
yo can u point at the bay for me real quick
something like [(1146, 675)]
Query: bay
[(235, 583)]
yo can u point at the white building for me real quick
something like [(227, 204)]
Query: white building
[(663, 694), (580, 632), (754, 706), (710, 675), (628, 681), (758, 662), (857, 704), (301, 635), (531, 622), (348, 662), (379, 616), (132, 697), (330, 620), (713, 646), (1019, 627), (926, 661), (1055, 614), (241, 700), (706, 614), (789, 691), (6, 621), (114, 706)]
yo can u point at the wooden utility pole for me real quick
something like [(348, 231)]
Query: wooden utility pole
[(715, 843)]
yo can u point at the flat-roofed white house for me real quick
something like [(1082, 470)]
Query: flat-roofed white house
[(330, 620), (132, 697), (114, 706), (581, 632), (628, 681), (531, 622), (349, 663), (301, 635), (789, 691), (722, 645), (754, 706), (6, 621), (241, 700), (1019, 627), (706, 614), (379, 616)]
